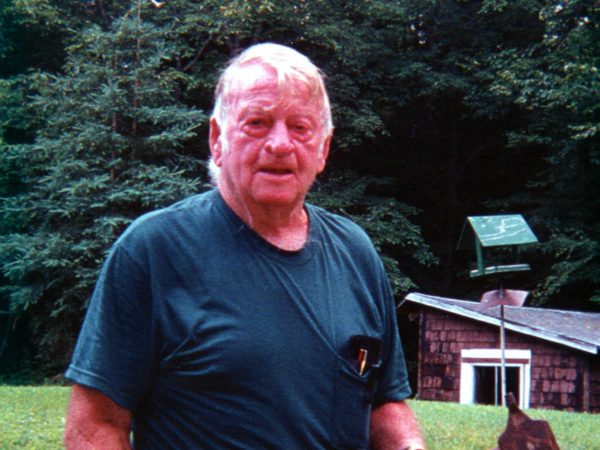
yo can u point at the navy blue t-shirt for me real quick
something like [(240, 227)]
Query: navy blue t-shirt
[(215, 339)]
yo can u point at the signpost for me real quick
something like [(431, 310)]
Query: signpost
[(501, 232)]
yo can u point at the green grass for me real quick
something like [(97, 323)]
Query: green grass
[(32, 418), (469, 427)]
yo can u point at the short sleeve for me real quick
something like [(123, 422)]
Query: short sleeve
[(114, 352), (393, 384)]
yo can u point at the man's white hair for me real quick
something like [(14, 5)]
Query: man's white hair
[(289, 66)]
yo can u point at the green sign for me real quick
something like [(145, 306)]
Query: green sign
[(493, 231), (509, 230)]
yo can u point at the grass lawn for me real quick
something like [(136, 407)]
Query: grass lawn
[(32, 418), (462, 427)]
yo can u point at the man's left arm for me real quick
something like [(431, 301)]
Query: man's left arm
[(395, 427)]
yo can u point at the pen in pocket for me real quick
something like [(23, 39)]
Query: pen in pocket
[(363, 355)]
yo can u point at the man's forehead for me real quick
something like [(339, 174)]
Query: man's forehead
[(254, 80), (263, 95), (288, 107), (253, 76)]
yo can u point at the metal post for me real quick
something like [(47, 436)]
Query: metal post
[(502, 355), (496, 384)]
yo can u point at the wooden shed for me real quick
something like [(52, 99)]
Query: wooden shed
[(552, 356)]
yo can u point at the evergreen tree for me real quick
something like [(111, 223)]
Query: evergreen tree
[(111, 148)]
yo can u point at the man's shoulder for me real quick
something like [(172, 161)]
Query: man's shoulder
[(188, 212), (337, 222), (347, 238), (342, 229)]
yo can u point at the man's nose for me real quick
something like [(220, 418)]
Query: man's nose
[(279, 141)]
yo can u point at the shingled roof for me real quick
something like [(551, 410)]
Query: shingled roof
[(580, 330)]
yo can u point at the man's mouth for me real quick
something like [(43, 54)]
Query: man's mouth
[(276, 171)]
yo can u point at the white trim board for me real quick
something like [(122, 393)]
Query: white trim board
[(471, 358)]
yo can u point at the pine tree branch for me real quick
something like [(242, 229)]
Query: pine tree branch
[(199, 54)]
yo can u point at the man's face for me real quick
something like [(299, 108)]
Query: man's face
[(276, 142)]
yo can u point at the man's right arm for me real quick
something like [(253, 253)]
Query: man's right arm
[(94, 421)]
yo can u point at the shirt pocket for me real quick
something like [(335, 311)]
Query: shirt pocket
[(352, 406)]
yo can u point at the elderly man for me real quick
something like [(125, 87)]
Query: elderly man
[(244, 318)]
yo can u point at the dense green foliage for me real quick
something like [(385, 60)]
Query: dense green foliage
[(556, 83), (33, 418), (443, 109)]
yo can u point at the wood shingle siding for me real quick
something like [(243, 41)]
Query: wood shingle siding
[(561, 376)]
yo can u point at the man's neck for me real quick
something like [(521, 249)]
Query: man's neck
[(290, 236), (284, 227)]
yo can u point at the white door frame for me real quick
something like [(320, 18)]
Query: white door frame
[(491, 357)]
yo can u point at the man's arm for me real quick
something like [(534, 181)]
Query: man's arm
[(394, 427), (94, 421)]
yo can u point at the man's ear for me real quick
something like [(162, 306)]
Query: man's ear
[(214, 141), (324, 152)]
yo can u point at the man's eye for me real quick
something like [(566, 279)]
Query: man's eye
[(301, 130), (301, 127), (256, 122), (255, 126)]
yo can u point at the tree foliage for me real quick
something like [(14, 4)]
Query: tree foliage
[(442, 109), (554, 84), (111, 147)]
